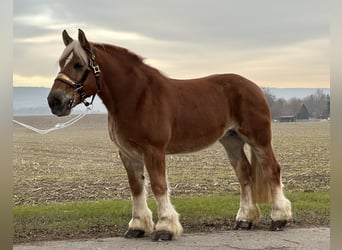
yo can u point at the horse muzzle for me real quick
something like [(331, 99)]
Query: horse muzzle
[(59, 103)]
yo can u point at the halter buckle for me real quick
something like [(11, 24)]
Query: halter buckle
[(95, 67)]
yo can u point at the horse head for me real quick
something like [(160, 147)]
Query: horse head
[(78, 77)]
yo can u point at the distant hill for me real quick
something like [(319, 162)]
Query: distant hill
[(32, 100)]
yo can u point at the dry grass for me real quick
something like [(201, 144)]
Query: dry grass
[(81, 163)]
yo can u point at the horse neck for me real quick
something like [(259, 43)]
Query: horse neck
[(125, 79)]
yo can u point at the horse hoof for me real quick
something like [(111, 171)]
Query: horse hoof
[(162, 236), (278, 225), (134, 233), (243, 225)]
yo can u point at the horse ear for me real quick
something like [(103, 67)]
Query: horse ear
[(66, 38), (83, 40)]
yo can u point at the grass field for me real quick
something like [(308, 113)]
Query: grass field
[(80, 163), (110, 218)]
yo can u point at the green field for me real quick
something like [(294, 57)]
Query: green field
[(110, 218), (81, 164)]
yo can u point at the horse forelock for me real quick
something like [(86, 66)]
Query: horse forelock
[(73, 48)]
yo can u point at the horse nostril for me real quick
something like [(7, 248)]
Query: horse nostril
[(54, 101)]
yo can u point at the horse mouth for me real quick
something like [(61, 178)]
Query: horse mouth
[(60, 105), (61, 112)]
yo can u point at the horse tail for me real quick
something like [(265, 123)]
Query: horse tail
[(261, 190)]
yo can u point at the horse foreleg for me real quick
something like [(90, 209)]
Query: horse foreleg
[(168, 225), (141, 221)]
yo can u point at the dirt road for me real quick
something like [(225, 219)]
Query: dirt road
[(295, 238)]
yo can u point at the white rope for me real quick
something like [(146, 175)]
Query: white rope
[(58, 125)]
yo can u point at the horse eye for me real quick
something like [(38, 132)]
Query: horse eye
[(78, 66)]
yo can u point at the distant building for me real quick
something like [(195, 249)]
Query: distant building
[(302, 114), (287, 118)]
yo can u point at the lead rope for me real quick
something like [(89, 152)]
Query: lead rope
[(58, 125)]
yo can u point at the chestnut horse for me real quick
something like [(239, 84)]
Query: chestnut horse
[(151, 115)]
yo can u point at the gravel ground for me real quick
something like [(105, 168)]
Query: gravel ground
[(303, 239)]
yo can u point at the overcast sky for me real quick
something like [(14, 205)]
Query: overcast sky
[(274, 43)]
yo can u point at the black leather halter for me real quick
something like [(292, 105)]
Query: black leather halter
[(78, 85)]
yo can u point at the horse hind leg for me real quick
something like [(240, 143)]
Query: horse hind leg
[(248, 210), (141, 221), (281, 206)]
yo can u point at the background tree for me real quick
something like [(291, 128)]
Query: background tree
[(318, 104)]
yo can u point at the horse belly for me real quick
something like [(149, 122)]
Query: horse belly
[(201, 117), (189, 147), (197, 134)]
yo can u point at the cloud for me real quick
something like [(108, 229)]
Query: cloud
[(185, 39), (29, 81)]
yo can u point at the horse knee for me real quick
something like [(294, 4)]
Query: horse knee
[(135, 173)]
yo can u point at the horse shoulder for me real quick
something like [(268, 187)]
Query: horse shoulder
[(144, 122)]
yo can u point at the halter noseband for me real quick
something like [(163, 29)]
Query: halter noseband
[(78, 85)]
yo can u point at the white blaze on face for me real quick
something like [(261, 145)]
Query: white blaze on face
[(73, 49), (68, 59)]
